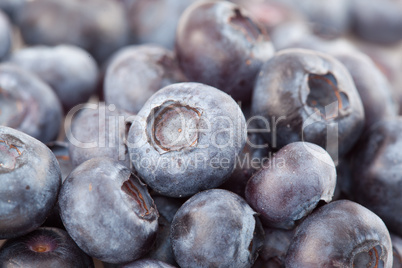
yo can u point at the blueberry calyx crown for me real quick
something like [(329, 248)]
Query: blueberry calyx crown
[(9, 154), (325, 97), (173, 126)]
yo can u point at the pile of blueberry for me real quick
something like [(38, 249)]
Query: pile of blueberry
[(202, 133)]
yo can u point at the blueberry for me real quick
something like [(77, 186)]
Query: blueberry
[(69, 70), (185, 139), (271, 14), (377, 21), (44, 247), (373, 87), (155, 22), (147, 263), (389, 63), (98, 26), (341, 234), (367, 77), (308, 96), (30, 180), (108, 211), (5, 35), (12, 8), (216, 228), (329, 19), (290, 187), (292, 34), (28, 104), (377, 180), (137, 72), (98, 131), (219, 44)]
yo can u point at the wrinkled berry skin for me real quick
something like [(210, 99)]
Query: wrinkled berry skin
[(301, 174), (44, 247), (354, 237), (98, 131), (216, 228), (28, 104), (136, 73), (126, 227), (5, 36), (377, 21), (377, 177), (155, 22), (30, 180), (147, 263), (310, 95), (185, 139), (97, 26), (70, 71), (219, 44)]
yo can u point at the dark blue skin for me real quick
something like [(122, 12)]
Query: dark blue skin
[(44, 247), (70, 71), (377, 176), (329, 19), (147, 263), (216, 228), (103, 127), (28, 104), (374, 89), (219, 44), (30, 180), (12, 8), (5, 36), (135, 73), (162, 249), (185, 139), (282, 13), (276, 245), (249, 161), (377, 21), (354, 237), (97, 26), (154, 22), (60, 150), (301, 174), (298, 85), (108, 211), (344, 180)]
